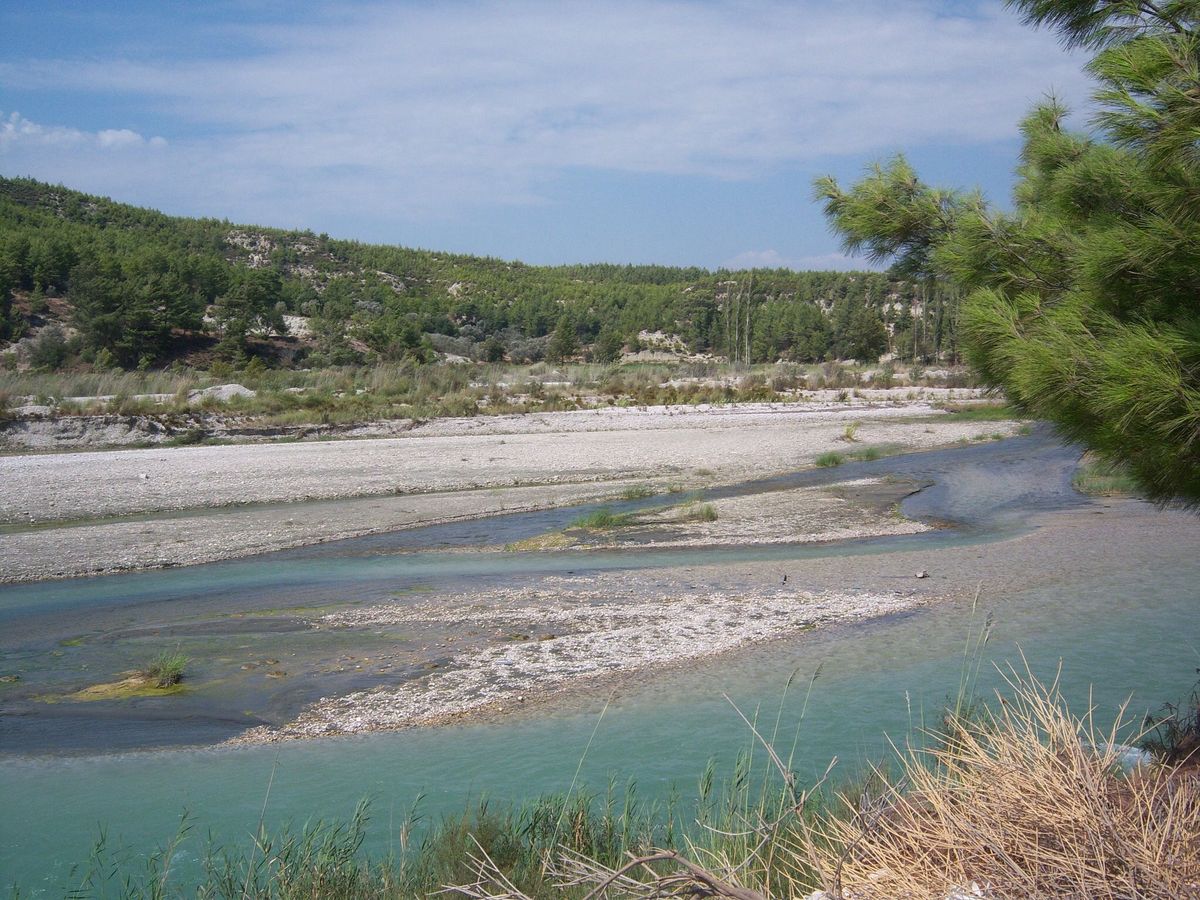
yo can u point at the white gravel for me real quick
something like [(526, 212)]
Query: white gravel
[(543, 453), (456, 454), (593, 635)]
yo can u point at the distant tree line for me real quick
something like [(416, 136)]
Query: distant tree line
[(138, 284)]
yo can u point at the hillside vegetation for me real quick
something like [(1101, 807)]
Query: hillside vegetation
[(88, 283)]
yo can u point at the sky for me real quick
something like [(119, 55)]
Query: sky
[(678, 132)]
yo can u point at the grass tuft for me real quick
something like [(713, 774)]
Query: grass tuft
[(699, 512), (638, 492), (869, 454), (827, 460), (1102, 479), (166, 669), (603, 519)]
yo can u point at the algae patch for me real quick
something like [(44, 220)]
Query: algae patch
[(554, 540), (135, 684)]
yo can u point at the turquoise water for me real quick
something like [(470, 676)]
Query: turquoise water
[(1128, 629), (1120, 633)]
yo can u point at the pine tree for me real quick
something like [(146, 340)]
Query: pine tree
[(1082, 302), (563, 343)]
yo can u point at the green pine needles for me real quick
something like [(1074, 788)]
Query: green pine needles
[(1082, 302)]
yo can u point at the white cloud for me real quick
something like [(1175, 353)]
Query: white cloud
[(18, 134), (413, 110), (119, 137)]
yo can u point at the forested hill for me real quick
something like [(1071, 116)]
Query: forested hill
[(114, 284)]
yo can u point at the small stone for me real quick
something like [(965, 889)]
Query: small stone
[(922, 574)]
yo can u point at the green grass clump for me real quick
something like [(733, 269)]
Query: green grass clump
[(603, 519), (166, 669), (700, 512), (1102, 479), (868, 454), (638, 492), (830, 459)]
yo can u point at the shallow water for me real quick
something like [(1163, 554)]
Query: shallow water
[(1128, 629), (230, 618)]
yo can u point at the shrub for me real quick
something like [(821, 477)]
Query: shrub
[(1028, 800), (49, 348)]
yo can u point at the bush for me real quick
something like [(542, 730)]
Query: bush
[(1028, 800), (49, 348), (493, 350)]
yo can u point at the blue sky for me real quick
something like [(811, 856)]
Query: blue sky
[(683, 133)]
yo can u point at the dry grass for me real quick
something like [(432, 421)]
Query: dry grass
[(1028, 802), (1025, 800)]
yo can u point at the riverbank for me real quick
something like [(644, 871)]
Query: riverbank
[(88, 513)]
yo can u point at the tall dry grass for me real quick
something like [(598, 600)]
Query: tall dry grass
[(1020, 800), (1028, 801)]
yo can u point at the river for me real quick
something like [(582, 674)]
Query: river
[(1113, 605)]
